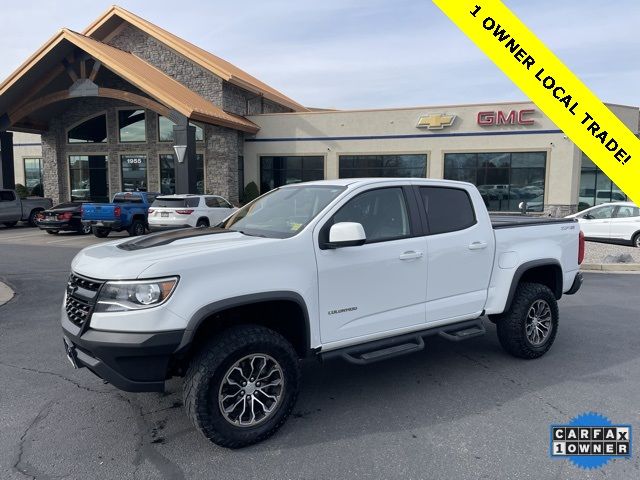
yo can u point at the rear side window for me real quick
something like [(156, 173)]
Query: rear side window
[(448, 209), (627, 212), (213, 202), (7, 196)]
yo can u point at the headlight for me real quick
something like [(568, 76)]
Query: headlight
[(134, 295)]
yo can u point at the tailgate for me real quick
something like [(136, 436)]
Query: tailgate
[(98, 211)]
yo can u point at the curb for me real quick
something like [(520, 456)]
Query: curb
[(611, 267), (6, 293)]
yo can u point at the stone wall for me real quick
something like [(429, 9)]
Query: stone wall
[(559, 211)]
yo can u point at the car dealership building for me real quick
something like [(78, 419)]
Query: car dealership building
[(111, 103)]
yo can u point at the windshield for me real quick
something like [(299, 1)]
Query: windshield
[(283, 212)]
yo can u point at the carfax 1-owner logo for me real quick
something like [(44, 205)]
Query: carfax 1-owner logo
[(590, 440)]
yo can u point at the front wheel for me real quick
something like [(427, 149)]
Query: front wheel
[(636, 240), (84, 229), (241, 388), (101, 232), (528, 329)]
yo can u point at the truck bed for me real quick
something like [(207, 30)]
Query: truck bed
[(512, 221)]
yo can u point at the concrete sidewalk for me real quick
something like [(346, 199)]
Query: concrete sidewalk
[(6, 293)]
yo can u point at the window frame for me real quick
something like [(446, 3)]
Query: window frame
[(422, 153), (133, 154), (193, 124), (289, 155), (107, 158), (24, 171), (423, 211), (204, 170), (416, 228), (80, 122), (118, 128)]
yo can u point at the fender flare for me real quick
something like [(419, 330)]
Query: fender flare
[(207, 311), (525, 267)]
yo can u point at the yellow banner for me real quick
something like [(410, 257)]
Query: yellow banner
[(552, 87)]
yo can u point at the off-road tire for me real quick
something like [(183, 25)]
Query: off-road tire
[(137, 228), (101, 232), (511, 325), (208, 368)]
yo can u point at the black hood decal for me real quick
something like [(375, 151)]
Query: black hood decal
[(150, 241)]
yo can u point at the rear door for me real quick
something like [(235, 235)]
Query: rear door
[(217, 209), (626, 222), (378, 287), (460, 250)]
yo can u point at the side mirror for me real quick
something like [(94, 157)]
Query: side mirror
[(588, 216), (346, 234)]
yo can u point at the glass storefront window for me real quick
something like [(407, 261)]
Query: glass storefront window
[(595, 186), (93, 130), (132, 126), (278, 171), (33, 176), (134, 173), (168, 174), (504, 179), (88, 176), (165, 130), (358, 166)]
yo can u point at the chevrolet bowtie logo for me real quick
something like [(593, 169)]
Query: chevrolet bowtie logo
[(436, 121)]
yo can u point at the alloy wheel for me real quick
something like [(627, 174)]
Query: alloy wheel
[(251, 390), (538, 325)]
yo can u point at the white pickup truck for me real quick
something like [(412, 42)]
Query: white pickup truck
[(361, 269)]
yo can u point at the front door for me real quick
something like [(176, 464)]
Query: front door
[(379, 286), (10, 208), (596, 223)]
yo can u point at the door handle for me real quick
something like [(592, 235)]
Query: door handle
[(478, 245), (410, 255)]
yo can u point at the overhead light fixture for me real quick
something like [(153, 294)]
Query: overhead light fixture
[(180, 150)]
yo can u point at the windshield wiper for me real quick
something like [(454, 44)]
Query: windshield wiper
[(250, 234)]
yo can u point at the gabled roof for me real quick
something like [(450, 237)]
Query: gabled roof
[(144, 76), (104, 25)]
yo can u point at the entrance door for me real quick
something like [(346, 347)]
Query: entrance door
[(379, 286)]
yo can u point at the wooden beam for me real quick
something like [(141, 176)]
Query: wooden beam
[(94, 71)]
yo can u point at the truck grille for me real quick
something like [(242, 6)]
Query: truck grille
[(82, 294)]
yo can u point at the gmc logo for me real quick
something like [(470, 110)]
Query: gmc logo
[(514, 117)]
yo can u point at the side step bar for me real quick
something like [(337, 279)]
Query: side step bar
[(386, 348)]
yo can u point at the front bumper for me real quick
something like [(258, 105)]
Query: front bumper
[(133, 362), (577, 284)]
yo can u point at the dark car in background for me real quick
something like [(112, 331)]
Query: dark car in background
[(61, 218)]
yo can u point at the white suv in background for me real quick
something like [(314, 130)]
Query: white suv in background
[(617, 222), (181, 211)]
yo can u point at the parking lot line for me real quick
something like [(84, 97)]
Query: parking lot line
[(69, 239), (27, 235)]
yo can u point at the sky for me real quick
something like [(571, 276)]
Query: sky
[(351, 54)]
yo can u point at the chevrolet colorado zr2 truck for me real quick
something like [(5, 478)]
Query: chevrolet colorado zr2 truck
[(360, 269)]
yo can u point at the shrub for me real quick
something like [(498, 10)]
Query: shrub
[(250, 193), (22, 191), (37, 190)]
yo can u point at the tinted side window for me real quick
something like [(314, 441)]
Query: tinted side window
[(192, 202), (602, 212), (448, 209), (212, 202), (7, 196), (382, 213)]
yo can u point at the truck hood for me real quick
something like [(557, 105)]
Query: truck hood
[(129, 258)]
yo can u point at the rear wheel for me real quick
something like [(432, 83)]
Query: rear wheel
[(530, 326), (101, 232), (202, 223), (52, 232), (32, 217), (137, 228), (10, 224), (241, 388)]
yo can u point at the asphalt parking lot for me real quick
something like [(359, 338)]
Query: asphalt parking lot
[(456, 410)]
